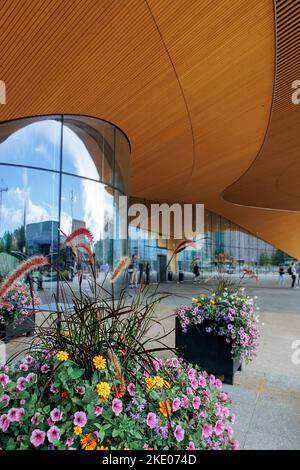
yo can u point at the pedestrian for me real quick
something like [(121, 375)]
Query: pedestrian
[(281, 273), (147, 271), (293, 273), (298, 271), (196, 272), (133, 271)]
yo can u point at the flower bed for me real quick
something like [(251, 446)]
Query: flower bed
[(230, 315), (18, 303), (47, 403)]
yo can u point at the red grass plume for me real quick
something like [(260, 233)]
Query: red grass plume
[(121, 266), (28, 265), (87, 249), (79, 232), (183, 245)]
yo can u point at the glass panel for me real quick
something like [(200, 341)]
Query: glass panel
[(87, 204), (32, 142), (29, 221), (122, 156), (88, 146)]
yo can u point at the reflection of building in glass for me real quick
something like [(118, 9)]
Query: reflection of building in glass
[(42, 238)]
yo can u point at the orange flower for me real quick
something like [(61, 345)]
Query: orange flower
[(103, 390), (102, 448), (167, 384), (165, 408), (123, 352), (88, 442), (149, 383), (119, 391)]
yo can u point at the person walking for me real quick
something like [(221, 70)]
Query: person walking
[(281, 273), (147, 271), (298, 271), (196, 272), (293, 273), (134, 272)]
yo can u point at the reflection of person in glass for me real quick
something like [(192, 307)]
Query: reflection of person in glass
[(148, 270), (133, 271)]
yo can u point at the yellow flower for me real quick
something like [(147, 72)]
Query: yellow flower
[(167, 384), (99, 362), (62, 356), (88, 442), (158, 381), (103, 390), (165, 408), (149, 383), (126, 448), (66, 333), (212, 302), (196, 300), (102, 448), (77, 430)]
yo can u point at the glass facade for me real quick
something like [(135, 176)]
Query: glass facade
[(226, 247), (58, 173)]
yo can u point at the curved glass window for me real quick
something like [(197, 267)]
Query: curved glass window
[(58, 173)]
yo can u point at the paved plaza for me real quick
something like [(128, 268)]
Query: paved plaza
[(266, 394)]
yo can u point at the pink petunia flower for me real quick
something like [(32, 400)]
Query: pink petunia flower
[(23, 367), (196, 403), (191, 446), (179, 433), (4, 379), (45, 368), (189, 391), (69, 441), (80, 389), (37, 437), (35, 418), (223, 396), (202, 381), (13, 414), (207, 431), (184, 401), (53, 434), (131, 389), (117, 406), (29, 359), (176, 403), (4, 399), (4, 423), (56, 415), (218, 384), (194, 383), (98, 410), (20, 384), (151, 420), (235, 445), (31, 378), (219, 428), (80, 419)]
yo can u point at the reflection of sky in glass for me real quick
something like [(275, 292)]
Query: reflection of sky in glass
[(36, 144)]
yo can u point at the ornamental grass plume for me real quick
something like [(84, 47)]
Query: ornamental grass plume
[(121, 266), (87, 249), (115, 360), (25, 267), (79, 232)]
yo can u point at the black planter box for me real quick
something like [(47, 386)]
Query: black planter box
[(25, 328), (210, 352)]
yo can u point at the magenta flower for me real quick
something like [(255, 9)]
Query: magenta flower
[(156, 365), (5, 398), (80, 419), (196, 403), (13, 414), (31, 378), (98, 410), (191, 446), (4, 423), (211, 379), (80, 389), (191, 373), (23, 367), (202, 381), (218, 384), (53, 434), (45, 368), (219, 428), (194, 383), (131, 389), (207, 431), (56, 415), (37, 437), (189, 391), (35, 418), (176, 403), (223, 396), (29, 359), (179, 433), (117, 406), (4, 379), (69, 441), (151, 420), (53, 389), (20, 414), (235, 445), (184, 401), (20, 384)]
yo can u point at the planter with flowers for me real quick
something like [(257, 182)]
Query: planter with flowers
[(218, 332), (17, 316)]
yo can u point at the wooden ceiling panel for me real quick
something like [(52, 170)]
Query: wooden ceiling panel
[(190, 82)]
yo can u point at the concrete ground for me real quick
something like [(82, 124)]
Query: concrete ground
[(266, 394)]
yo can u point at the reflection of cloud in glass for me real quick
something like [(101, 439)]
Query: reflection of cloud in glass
[(76, 155)]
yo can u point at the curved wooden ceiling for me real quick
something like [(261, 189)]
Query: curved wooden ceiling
[(190, 82)]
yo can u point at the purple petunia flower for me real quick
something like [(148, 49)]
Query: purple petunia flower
[(179, 433), (37, 437), (80, 419), (56, 415), (53, 434)]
